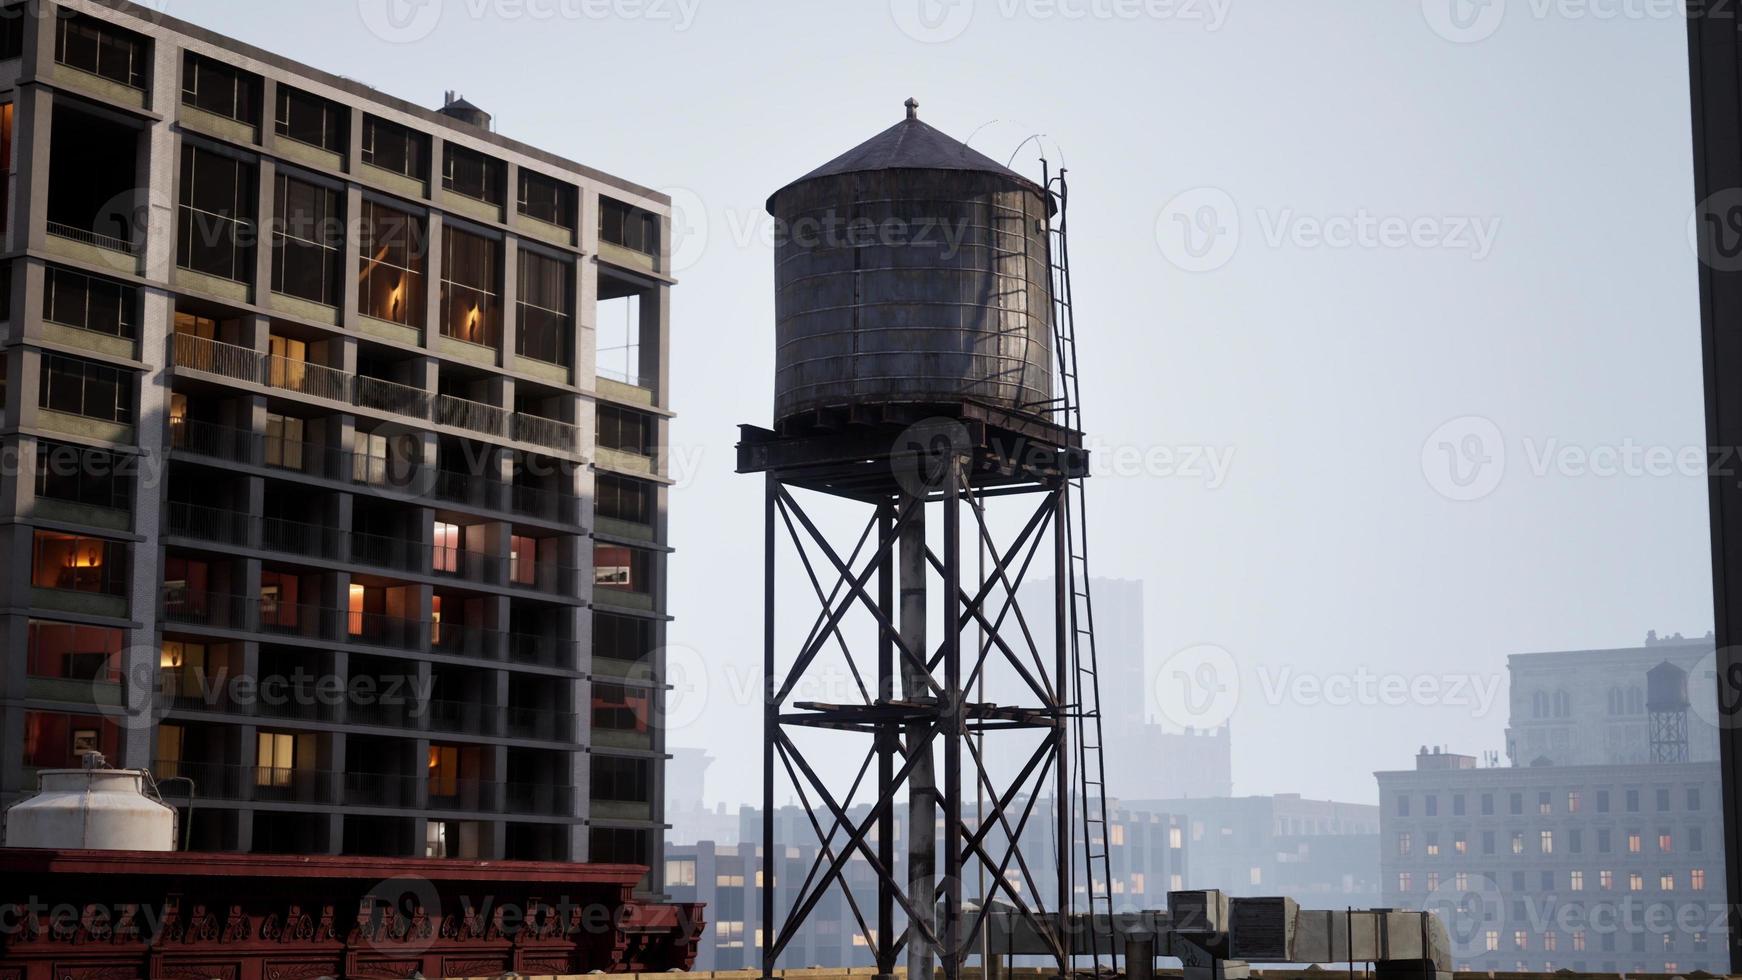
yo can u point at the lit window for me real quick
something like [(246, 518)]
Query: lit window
[(1697, 879), (446, 557), (1577, 881)]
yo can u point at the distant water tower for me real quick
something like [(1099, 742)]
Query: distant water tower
[(1666, 702), (925, 455)]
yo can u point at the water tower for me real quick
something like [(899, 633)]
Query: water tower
[(925, 457), (1666, 702)]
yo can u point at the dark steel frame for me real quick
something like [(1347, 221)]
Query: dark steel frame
[(1715, 73), (901, 463)]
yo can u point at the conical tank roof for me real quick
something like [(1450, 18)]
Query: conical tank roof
[(910, 145)]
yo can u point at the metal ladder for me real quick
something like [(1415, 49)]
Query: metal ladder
[(1091, 781)]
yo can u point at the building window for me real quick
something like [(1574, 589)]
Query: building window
[(620, 498), (625, 431), (220, 89), (307, 239), (1665, 842), (1606, 880), (1491, 940), (1515, 804), (1544, 806), (1662, 801), (1666, 882), (471, 278), (393, 148), (86, 388), (681, 873), (1633, 843), (449, 541), (1457, 804), (1431, 804), (621, 780), (63, 651), (628, 226), (308, 118), (392, 246), (1404, 845), (622, 638), (522, 560), (468, 173), (1697, 879), (1546, 841), (1602, 801), (71, 563), (93, 46), (74, 299), (545, 304), (547, 200), (1632, 801), (1518, 843), (1576, 881), (77, 475), (616, 845), (217, 208), (13, 21), (57, 741), (1573, 801), (1693, 799), (621, 709), (622, 569), (1635, 882), (1487, 804)]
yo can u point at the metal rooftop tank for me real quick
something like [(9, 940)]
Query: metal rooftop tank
[(91, 809), (911, 270)]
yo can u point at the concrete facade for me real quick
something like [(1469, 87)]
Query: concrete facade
[(328, 496)]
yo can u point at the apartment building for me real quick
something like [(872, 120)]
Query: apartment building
[(1601, 847), (335, 491), (1542, 868)]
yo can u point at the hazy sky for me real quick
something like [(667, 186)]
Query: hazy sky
[(1307, 236)]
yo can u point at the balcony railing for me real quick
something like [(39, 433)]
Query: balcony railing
[(209, 524), (476, 416), (297, 538), (304, 378), (381, 551), (216, 357), (542, 651), (540, 724), (460, 640), (87, 237), (210, 439), (465, 717), (390, 396), (238, 363), (541, 431)]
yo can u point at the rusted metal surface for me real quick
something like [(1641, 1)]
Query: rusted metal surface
[(120, 915), (911, 286)]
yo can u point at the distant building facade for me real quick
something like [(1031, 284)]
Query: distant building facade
[(1605, 867), (1147, 857), (1588, 707), (1320, 853)]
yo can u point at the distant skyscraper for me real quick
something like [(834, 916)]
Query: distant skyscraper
[(1145, 760)]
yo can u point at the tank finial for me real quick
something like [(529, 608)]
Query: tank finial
[(912, 108)]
